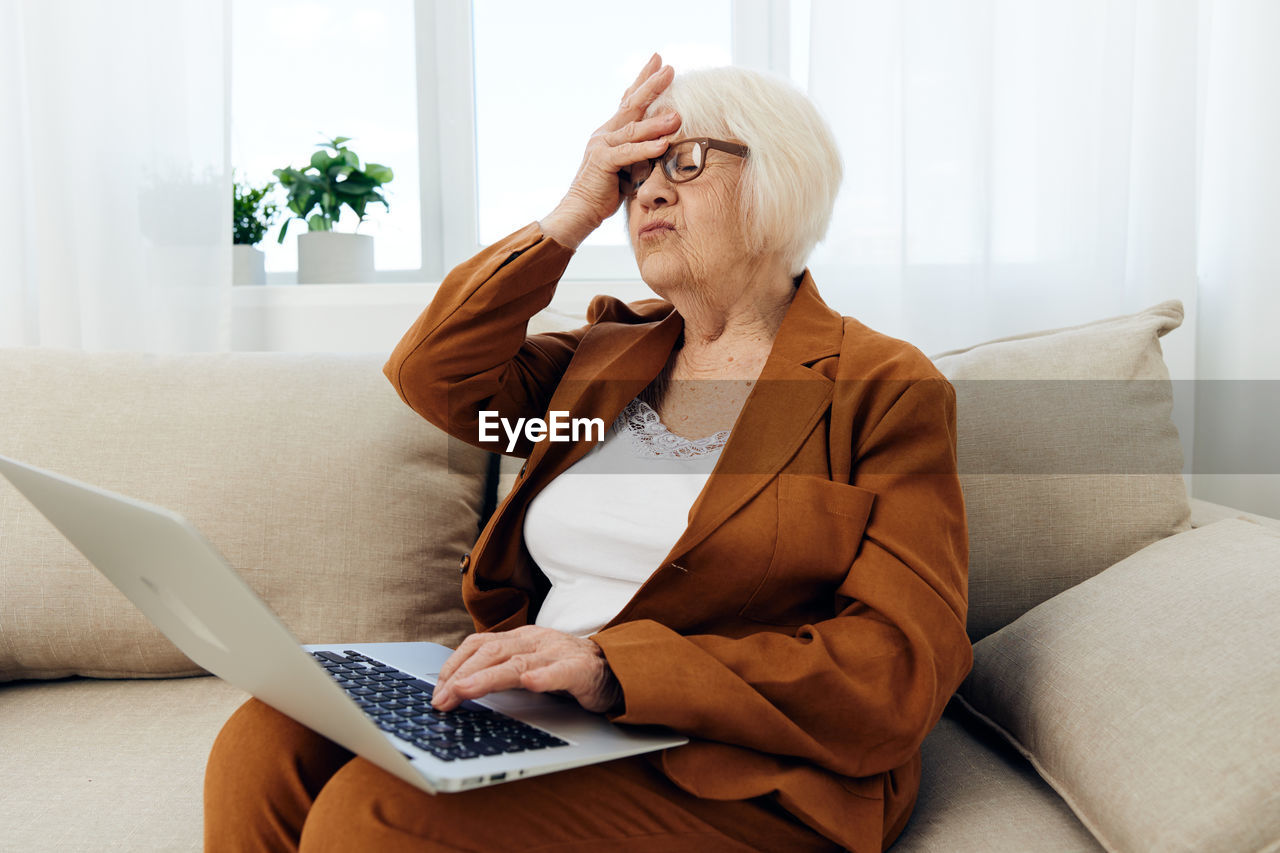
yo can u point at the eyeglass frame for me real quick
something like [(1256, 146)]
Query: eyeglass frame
[(624, 174)]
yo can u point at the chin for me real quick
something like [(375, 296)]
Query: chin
[(660, 275)]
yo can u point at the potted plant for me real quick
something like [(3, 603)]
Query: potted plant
[(252, 214), (331, 180)]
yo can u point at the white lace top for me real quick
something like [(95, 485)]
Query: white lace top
[(601, 528), (650, 437)]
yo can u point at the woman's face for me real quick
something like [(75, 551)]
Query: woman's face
[(702, 247)]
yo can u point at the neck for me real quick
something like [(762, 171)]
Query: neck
[(730, 329)]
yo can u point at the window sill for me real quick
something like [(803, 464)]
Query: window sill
[(568, 293), (364, 317), (331, 294)]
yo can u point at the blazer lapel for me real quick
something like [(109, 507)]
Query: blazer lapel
[(600, 382)]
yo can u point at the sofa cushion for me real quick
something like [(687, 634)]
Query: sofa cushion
[(1068, 457), (978, 795), (1132, 690), (338, 504), (108, 765)]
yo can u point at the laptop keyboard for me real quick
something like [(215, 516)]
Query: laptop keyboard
[(401, 704)]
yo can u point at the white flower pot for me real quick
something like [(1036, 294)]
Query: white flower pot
[(248, 265), (334, 257)]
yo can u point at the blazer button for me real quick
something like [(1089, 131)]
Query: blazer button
[(464, 564)]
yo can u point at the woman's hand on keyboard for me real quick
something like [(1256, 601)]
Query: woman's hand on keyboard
[(539, 659)]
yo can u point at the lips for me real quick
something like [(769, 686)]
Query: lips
[(656, 226)]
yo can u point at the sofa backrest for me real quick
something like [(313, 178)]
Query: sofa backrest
[(348, 512), (338, 504)]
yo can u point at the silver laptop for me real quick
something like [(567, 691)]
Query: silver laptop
[(373, 698)]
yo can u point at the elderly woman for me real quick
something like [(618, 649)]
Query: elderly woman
[(791, 596)]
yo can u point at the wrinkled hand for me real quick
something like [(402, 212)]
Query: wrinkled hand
[(624, 139), (539, 659)]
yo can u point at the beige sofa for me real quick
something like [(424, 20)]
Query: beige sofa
[(1125, 685)]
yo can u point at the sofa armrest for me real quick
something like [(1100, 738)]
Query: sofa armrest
[(1205, 512)]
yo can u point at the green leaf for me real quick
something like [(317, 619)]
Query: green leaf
[(355, 184), (320, 161), (379, 173), (302, 202), (318, 223), (338, 140), (283, 229), (338, 170)]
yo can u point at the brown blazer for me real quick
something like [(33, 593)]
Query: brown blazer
[(807, 629)]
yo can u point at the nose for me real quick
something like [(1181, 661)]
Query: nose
[(656, 190)]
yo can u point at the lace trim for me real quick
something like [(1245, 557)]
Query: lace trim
[(651, 438)]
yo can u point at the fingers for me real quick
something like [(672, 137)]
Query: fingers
[(636, 101), (644, 129), (465, 650), (502, 676), (481, 650), (479, 653), (531, 657), (654, 63), (639, 140)]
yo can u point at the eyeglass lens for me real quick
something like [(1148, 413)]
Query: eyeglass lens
[(682, 162)]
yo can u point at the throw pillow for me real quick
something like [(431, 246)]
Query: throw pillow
[(1068, 456), (337, 503), (1147, 695)]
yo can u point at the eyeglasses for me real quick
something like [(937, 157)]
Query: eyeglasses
[(683, 161)]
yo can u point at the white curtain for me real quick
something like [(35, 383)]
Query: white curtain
[(1014, 165), (115, 233), (1010, 165), (1239, 248)]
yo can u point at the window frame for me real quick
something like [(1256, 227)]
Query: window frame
[(446, 122)]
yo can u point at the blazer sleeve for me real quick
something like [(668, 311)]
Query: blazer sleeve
[(856, 693), (468, 350)]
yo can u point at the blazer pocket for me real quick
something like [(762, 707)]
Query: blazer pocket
[(820, 527)]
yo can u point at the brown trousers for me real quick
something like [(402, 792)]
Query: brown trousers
[(273, 784)]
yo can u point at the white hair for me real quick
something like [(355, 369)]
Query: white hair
[(793, 170)]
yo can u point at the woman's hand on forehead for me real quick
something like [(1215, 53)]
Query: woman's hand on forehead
[(626, 138)]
